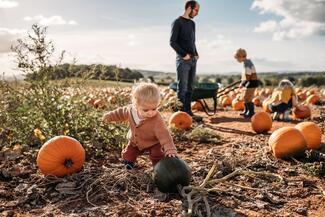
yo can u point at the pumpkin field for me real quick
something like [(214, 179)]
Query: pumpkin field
[(58, 157), (239, 167)]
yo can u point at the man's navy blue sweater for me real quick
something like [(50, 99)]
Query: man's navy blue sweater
[(183, 37)]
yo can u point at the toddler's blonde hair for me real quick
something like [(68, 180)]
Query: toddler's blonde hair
[(240, 53), (145, 93)]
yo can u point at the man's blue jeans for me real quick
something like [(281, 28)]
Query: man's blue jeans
[(186, 71)]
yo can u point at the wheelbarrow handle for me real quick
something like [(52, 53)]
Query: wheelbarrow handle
[(226, 92), (230, 85)]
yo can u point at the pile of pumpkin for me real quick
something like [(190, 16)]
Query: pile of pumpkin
[(288, 141), (291, 141)]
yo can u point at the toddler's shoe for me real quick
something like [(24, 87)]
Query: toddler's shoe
[(129, 165)]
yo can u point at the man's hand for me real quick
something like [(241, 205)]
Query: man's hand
[(187, 57)]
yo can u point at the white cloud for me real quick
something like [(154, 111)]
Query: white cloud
[(8, 4), (48, 21), (268, 26), (219, 42), (300, 18), (8, 37)]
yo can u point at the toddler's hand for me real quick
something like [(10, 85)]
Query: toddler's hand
[(171, 155)]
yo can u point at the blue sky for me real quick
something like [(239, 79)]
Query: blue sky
[(278, 35)]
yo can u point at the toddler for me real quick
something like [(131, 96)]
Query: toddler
[(148, 131)]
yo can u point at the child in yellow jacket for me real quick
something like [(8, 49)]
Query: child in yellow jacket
[(148, 131), (283, 99)]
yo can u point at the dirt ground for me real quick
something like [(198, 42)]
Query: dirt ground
[(104, 188)]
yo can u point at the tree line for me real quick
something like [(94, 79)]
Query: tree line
[(93, 71)]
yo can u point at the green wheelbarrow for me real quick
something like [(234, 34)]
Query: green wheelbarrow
[(204, 91)]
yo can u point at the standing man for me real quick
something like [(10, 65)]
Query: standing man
[(182, 40)]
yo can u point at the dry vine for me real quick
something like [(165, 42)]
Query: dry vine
[(194, 195)]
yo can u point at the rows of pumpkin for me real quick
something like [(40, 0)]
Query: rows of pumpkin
[(261, 122), (101, 97), (262, 98)]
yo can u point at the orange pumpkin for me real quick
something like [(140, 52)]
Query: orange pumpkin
[(111, 99), (60, 156), (238, 105), (232, 94), (91, 101), (226, 101), (99, 103), (261, 122), (312, 134), (180, 120), (312, 99), (302, 96), (287, 141), (301, 112), (257, 101), (196, 106)]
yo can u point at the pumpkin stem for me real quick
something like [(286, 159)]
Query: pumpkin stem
[(68, 163)]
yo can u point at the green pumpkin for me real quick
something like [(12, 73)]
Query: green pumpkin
[(170, 172)]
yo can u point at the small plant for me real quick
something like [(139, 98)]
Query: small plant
[(200, 134), (203, 134)]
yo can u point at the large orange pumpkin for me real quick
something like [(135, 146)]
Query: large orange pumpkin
[(287, 141), (60, 156), (301, 112), (180, 120), (312, 134), (261, 122)]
